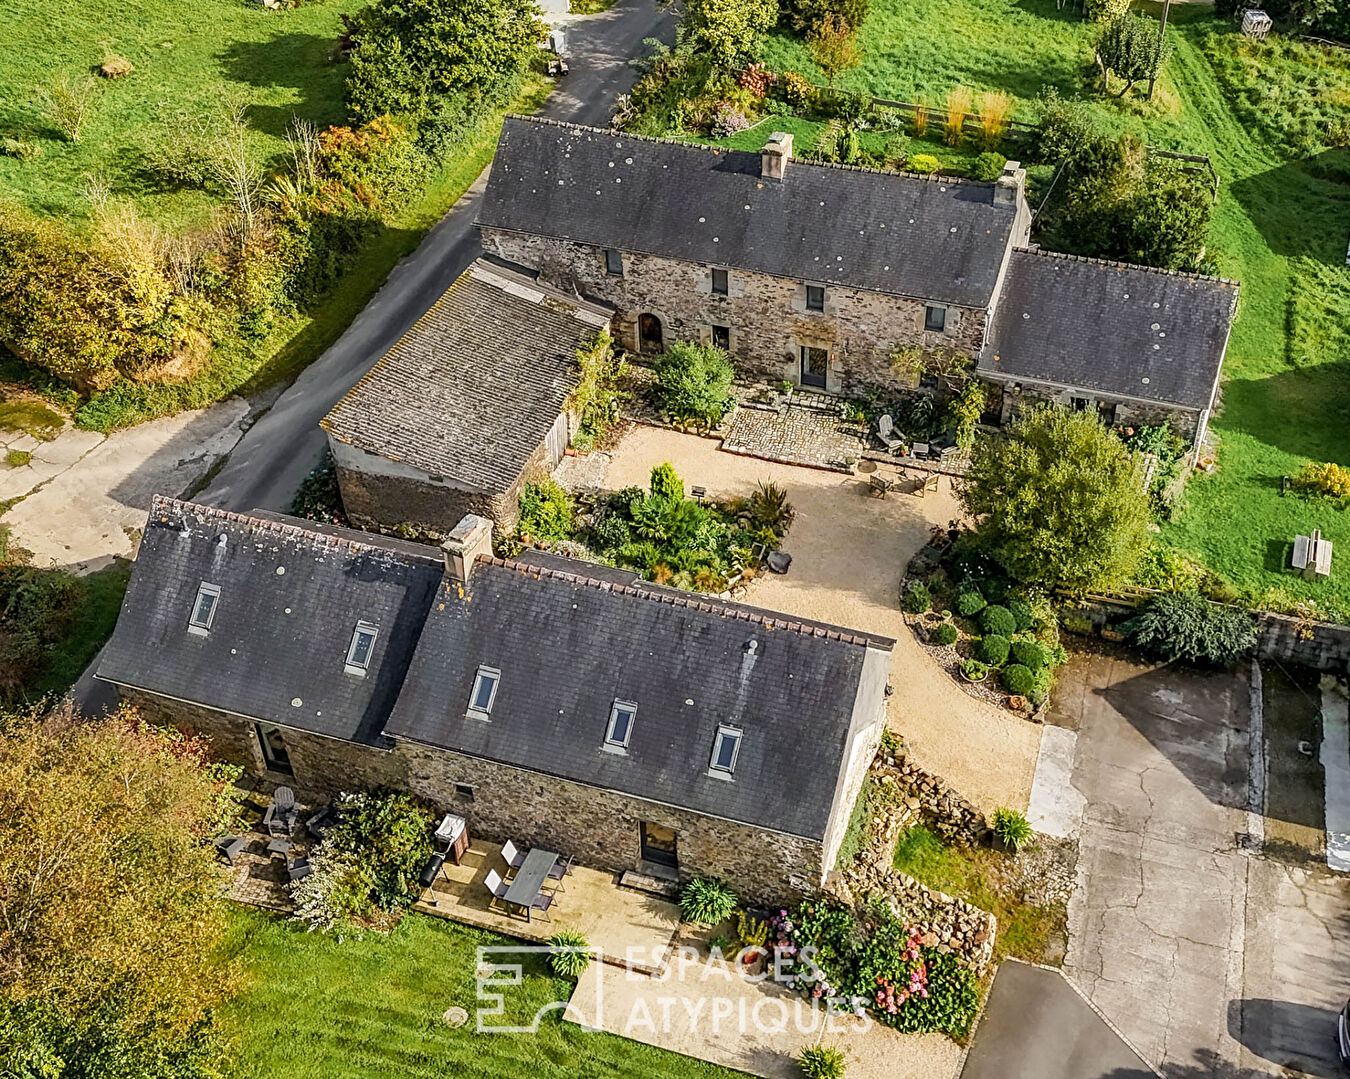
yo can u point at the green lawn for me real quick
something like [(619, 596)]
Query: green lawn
[(189, 57), (320, 1008), (1280, 227)]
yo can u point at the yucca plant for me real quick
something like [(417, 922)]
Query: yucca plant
[(769, 508), (996, 109), (821, 1062), (565, 962), (1011, 829), (959, 99), (706, 901)]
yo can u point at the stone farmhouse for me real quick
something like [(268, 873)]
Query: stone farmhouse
[(626, 724), (466, 408), (816, 274)]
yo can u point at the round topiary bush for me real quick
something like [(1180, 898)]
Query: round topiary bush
[(970, 602), (1022, 614), (944, 634), (1018, 679), (993, 649), (1030, 653), (995, 619), (917, 597)]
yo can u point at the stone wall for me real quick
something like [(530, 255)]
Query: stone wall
[(1185, 422), (386, 496), (766, 315), (601, 828), (929, 797), (596, 827)]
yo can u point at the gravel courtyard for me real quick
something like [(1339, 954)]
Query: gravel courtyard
[(848, 552)]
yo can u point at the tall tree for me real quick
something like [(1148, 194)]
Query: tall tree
[(728, 30), (1059, 500), (110, 916)]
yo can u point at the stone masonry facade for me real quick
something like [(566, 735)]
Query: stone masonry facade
[(595, 827), (766, 316), (1117, 410)]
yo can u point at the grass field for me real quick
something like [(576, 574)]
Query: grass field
[(1280, 227), (320, 1008), (189, 58)]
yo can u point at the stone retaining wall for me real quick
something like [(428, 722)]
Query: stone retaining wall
[(929, 797)]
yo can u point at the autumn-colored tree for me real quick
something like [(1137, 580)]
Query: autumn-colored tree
[(111, 920), (833, 45)]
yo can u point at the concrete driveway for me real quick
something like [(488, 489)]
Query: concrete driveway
[(267, 466), (1211, 959)]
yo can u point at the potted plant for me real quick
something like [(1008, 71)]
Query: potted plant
[(1011, 830), (972, 670)]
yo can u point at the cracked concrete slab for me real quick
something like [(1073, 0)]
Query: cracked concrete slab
[(1336, 763), (1056, 806), (90, 504), (49, 459)]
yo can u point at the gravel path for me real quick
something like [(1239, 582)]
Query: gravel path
[(849, 551)]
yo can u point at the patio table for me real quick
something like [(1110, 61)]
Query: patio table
[(529, 879)]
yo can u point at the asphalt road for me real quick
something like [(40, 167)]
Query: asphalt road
[(1037, 1026), (267, 465)]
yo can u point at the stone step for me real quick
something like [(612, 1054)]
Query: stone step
[(641, 882)]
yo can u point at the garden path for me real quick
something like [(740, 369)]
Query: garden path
[(849, 551)]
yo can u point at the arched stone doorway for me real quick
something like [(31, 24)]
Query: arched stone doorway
[(649, 333)]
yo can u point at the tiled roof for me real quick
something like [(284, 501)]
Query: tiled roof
[(1111, 327), (470, 392), (290, 598), (568, 645), (931, 238)]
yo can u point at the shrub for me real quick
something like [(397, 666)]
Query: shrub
[(969, 602), (389, 832), (1130, 48), (727, 31), (1042, 681), (1059, 501), (1182, 626), (665, 482), (595, 401), (804, 15), (1105, 10), (1017, 679), (922, 163), (951, 1004), (993, 649), (693, 382), (67, 104), (974, 669), (917, 597), (546, 511), (20, 148), (958, 105), (706, 901), (1011, 828), (769, 508), (567, 963), (996, 619), (1066, 126), (610, 529), (1030, 653), (988, 166), (727, 121), (798, 92), (833, 45), (757, 78), (821, 1062), (944, 634), (996, 109), (1328, 480), (1023, 616)]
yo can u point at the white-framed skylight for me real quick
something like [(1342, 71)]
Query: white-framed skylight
[(726, 748), (204, 608), (622, 716), (484, 693), (362, 648)]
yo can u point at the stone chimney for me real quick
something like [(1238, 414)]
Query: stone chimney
[(774, 158), (1008, 186), (469, 539)]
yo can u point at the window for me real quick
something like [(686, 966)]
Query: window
[(815, 297), (621, 718), (484, 692), (719, 282), (614, 263), (1080, 404), (363, 644), (204, 608), (935, 319), (725, 749), (463, 790), (721, 337)]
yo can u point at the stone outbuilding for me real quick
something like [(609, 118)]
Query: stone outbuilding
[(553, 702), (465, 409)]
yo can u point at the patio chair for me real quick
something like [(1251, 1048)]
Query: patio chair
[(560, 870), (319, 823), (886, 431), (541, 903), (284, 798), (280, 820), (511, 855), (229, 847), (298, 868), (496, 886)]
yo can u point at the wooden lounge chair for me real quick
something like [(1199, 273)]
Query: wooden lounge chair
[(229, 847), (298, 868), (890, 438)]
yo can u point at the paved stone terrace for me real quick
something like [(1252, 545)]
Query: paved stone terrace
[(794, 436)]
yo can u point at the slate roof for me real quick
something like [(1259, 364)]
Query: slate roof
[(931, 238), (470, 392), (568, 645), (1111, 327), (276, 638)]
